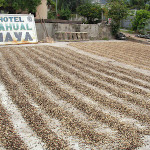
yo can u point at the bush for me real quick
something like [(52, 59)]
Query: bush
[(51, 15), (115, 28), (92, 12), (64, 14), (141, 20), (117, 11)]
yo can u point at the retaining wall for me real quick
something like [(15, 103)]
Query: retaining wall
[(95, 31)]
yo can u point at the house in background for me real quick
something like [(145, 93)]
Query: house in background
[(101, 2), (42, 10)]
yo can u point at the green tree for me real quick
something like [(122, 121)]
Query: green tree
[(147, 7), (52, 12), (71, 4), (64, 14), (51, 3), (92, 12), (141, 20), (138, 4), (13, 5), (2, 2), (117, 10)]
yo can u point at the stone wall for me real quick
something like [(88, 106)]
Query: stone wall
[(95, 31)]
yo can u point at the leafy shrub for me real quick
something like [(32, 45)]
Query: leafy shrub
[(141, 20), (115, 27), (117, 10), (52, 4), (91, 11), (51, 15), (64, 14)]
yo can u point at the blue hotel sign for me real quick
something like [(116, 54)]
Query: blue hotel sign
[(17, 29)]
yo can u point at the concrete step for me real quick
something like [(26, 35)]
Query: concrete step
[(71, 36)]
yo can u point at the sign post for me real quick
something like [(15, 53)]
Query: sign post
[(17, 29), (109, 20)]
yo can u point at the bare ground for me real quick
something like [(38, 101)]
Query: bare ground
[(74, 101)]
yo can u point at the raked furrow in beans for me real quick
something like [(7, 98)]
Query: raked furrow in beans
[(28, 111), (87, 90), (86, 76), (118, 56), (112, 50), (124, 86), (50, 122), (100, 66), (138, 63), (123, 51), (113, 71), (123, 128), (68, 69), (142, 63), (122, 76), (77, 128), (8, 136)]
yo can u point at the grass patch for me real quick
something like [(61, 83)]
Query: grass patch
[(127, 31), (105, 38)]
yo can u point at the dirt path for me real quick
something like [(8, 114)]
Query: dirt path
[(75, 101)]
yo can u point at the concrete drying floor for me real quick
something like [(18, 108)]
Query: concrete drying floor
[(94, 95)]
